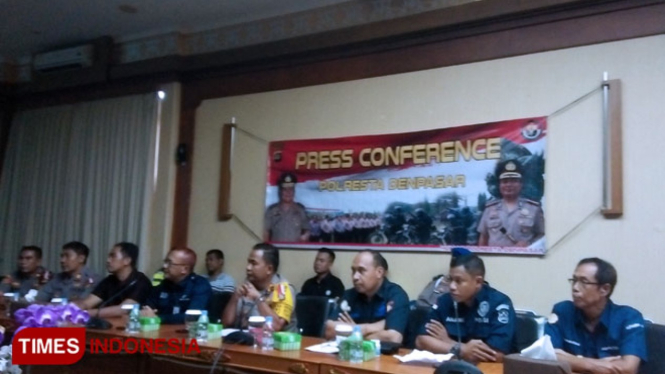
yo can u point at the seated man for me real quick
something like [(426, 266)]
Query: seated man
[(324, 283), (264, 293), (592, 333), (440, 284), (219, 281), (378, 306), (125, 285), (30, 274), (474, 322), (180, 290), (76, 281)]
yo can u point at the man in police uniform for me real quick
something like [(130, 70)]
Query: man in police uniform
[(511, 221), (324, 283), (378, 306), (592, 333), (76, 280), (30, 274), (264, 293), (180, 290), (125, 284), (473, 321), (286, 221), (439, 284)]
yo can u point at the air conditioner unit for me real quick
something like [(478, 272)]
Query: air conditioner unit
[(70, 58)]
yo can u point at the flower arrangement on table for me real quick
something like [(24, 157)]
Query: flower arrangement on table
[(40, 316), (6, 366), (50, 316)]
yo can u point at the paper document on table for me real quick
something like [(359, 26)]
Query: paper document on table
[(327, 347), (541, 349), (423, 357)]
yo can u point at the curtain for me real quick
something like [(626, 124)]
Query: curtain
[(78, 172)]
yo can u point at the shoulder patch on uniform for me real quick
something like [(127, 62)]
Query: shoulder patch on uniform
[(492, 202), (553, 318), (634, 326), (502, 306), (532, 202)]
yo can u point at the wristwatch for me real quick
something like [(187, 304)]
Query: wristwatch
[(456, 350)]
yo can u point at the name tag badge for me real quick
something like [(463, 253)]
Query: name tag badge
[(176, 310), (163, 295)]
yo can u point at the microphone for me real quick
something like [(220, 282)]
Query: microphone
[(460, 366), (459, 331), (100, 323)]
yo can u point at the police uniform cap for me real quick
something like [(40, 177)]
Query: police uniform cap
[(459, 251), (287, 180), (509, 169)]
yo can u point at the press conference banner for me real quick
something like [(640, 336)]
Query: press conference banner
[(479, 186)]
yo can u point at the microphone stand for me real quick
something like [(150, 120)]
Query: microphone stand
[(97, 323)]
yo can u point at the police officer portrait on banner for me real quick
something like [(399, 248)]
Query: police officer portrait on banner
[(511, 220), (286, 220)]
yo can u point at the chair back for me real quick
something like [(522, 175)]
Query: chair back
[(526, 330), (216, 305), (417, 318), (312, 313), (655, 336)]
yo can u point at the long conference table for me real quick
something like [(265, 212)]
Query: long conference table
[(233, 359)]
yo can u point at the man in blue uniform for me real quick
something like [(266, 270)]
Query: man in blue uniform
[(592, 333), (378, 306), (473, 321), (180, 290)]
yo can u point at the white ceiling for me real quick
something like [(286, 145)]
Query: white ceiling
[(31, 26)]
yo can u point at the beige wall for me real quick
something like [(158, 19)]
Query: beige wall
[(532, 85)]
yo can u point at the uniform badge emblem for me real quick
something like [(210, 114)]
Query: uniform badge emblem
[(503, 313), (483, 308), (389, 306), (553, 318)]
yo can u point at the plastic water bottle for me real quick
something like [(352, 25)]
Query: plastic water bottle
[(355, 343), (133, 324), (268, 342), (202, 327)]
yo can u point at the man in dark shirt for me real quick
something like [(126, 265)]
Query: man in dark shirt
[(378, 306), (593, 334), (125, 285), (324, 283), (473, 321), (180, 290)]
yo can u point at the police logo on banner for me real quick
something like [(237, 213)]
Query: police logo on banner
[(503, 313), (483, 308)]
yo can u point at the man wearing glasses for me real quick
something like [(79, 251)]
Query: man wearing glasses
[(180, 290), (592, 333)]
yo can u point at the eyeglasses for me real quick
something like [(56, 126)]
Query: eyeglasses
[(168, 263), (583, 282)]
